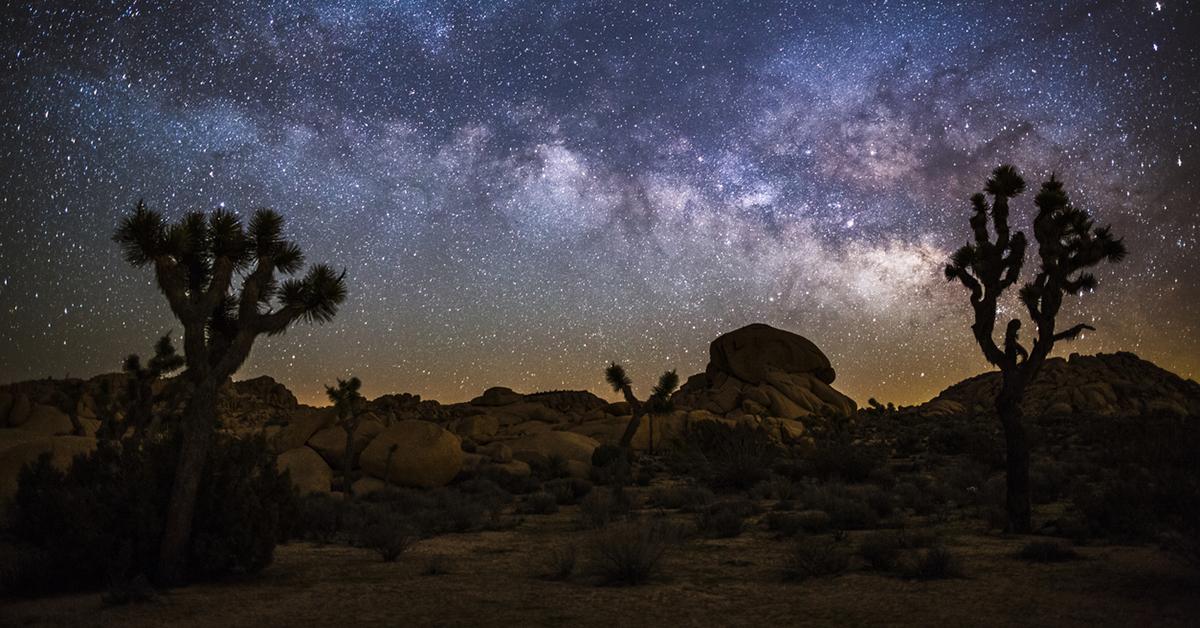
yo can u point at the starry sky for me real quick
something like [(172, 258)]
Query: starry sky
[(523, 191)]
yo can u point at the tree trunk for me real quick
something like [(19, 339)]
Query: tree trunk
[(1017, 498), (631, 430), (347, 460), (197, 432)]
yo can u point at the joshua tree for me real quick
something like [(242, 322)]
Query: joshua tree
[(348, 403), (1068, 244), (195, 262), (658, 403), (139, 391), (660, 400)]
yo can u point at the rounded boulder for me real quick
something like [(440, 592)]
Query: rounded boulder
[(413, 453)]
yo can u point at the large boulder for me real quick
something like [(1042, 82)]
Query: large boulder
[(308, 470), (749, 352), (765, 372), (477, 428), (18, 414), (497, 396), (48, 420), (413, 453), (330, 442), (302, 424), (543, 446)]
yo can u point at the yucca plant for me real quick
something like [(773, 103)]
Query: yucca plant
[(1069, 243), (195, 262), (659, 401), (348, 403)]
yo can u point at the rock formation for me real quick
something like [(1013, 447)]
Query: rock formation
[(764, 372), (1114, 384)]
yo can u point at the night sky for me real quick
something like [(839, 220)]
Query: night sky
[(521, 192)]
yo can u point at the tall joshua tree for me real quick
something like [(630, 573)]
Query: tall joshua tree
[(348, 403), (659, 401), (195, 263), (1069, 243)]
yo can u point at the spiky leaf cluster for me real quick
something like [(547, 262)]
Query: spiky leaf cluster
[(196, 261)]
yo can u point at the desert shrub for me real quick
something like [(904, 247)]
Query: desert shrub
[(814, 558), (687, 498), (320, 518), (538, 504), (390, 538), (1046, 552), (776, 487), (611, 466), (436, 565), (559, 563), (793, 523), (510, 483), (879, 502), (722, 456), (840, 458), (567, 491), (725, 519), (846, 510), (629, 553), (1119, 508), (976, 440), (882, 550), (934, 563), (1048, 481), (102, 520), (549, 468), (487, 490), (603, 506)]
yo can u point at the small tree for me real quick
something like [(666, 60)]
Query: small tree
[(348, 403), (195, 261), (658, 403), (138, 400), (1068, 244)]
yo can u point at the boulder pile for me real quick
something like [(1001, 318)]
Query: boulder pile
[(1108, 384)]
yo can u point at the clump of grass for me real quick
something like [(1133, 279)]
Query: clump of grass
[(722, 521), (436, 565), (935, 563), (568, 491), (793, 523), (882, 550), (603, 506), (1047, 552), (389, 539), (814, 558), (629, 553), (687, 498), (540, 503), (559, 563)]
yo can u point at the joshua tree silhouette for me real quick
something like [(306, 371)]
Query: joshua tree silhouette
[(1068, 244), (138, 398), (195, 261), (659, 401), (348, 403)]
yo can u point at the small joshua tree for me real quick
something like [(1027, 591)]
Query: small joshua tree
[(195, 261), (658, 403), (139, 391), (348, 403), (1069, 243)]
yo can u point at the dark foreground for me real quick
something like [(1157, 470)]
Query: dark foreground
[(494, 578)]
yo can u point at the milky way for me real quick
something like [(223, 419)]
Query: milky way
[(521, 192)]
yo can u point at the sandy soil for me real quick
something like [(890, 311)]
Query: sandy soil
[(492, 580)]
